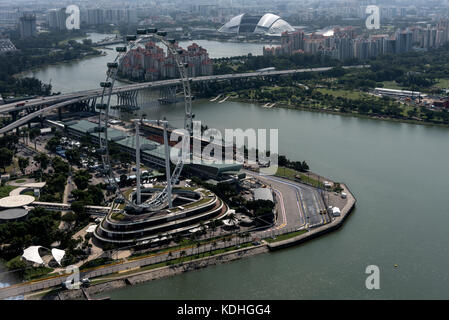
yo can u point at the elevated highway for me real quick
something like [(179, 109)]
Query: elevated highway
[(47, 104)]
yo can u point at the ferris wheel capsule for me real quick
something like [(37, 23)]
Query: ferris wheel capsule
[(105, 84), (112, 65)]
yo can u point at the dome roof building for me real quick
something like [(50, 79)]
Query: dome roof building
[(266, 24)]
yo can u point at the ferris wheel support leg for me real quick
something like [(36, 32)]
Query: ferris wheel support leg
[(138, 194), (167, 166)]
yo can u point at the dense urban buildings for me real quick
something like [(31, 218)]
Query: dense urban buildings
[(352, 42), (151, 63)]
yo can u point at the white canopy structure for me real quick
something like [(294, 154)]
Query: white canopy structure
[(230, 222), (32, 254), (267, 24), (58, 254), (91, 228)]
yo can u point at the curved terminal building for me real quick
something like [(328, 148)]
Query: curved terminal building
[(266, 24), (193, 209)]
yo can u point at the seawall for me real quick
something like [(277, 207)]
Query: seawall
[(159, 273)]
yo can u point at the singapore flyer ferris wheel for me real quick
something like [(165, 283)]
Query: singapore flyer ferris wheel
[(162, 198)]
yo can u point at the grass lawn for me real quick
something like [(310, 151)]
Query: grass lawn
[(442, 83), (343, 93), (5, 190), (392, 85), (117, 216), (291, 174)]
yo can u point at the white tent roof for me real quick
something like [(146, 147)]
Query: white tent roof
[(32, 254), (58, 254), (91, 228), (229, 222)]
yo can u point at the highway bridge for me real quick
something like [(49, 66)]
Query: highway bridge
[(47, 104)]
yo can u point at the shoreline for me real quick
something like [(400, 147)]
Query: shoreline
[(349, 114), (38, 68), (117, 281), (318, 110)]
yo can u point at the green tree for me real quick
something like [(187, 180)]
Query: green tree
[(81, 179), (43, 160), (34, 133), (23, 164), (6, 156), (60, 166), (73, 156), (53, 143)]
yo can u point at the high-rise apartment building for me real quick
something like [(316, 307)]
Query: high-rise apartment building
[(57, 19), (27, 25)]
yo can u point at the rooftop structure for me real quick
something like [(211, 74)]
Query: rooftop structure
[(6, 46), (13, 214), (16, 201), (263, 194), (266, 24), (398, 93), (153, 157), (201, 206)]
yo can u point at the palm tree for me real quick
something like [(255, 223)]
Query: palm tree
[(198, 245), (213, 226), (182, 254), (214, 245)]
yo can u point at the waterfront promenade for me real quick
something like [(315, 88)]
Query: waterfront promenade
[(293, 211)]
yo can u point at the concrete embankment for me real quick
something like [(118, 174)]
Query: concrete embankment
[(144, 276), (335, 224)]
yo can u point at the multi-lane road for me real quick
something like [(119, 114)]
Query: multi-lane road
[(302, 204)]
